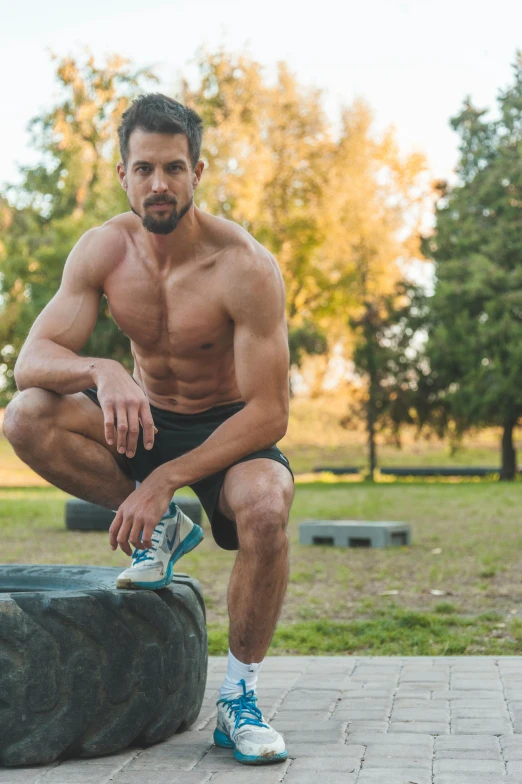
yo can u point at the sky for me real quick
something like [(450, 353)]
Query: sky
[(413, 62)]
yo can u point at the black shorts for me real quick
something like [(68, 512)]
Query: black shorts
[(180, 433)]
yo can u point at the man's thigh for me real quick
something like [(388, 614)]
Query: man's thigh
[(256, 484), (74, 413)]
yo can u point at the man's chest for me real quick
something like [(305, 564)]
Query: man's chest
[(179, 314)]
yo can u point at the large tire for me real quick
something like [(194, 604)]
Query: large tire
[(84, 516), (87, 670)]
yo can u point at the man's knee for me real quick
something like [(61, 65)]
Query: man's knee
[(26, 411), (261, 525)]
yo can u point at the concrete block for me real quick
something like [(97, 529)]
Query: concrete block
[(354, 533)]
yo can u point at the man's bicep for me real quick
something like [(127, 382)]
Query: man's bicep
[(261, 353), (261, 364), (70, 317)]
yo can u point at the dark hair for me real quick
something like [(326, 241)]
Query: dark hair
[(156, 113)]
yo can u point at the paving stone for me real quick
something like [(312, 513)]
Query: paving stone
[(158, 777), (501, 714), (184, 759), (509, 741), (398, 776), (361, 726), (379, 751), (464, 684), (391, 762), (511, 755), (459, 694), (431, 727), (395, 739), (346, 714), (416, 714), (405, 692), (310, 777), (32, 775), (469, 766), (80, 774), (466, 742), (316, 736), (302, 716), (480, 726), (218, 759), (476, 778), (268, 774), (346, 764), (425, 677), (470, 754), (333, 682), (328, 750), (334, 727), (419, 702)]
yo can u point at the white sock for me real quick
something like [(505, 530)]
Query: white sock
[(237, 671), (137, 485)]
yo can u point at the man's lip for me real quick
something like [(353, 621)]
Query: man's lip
[(160, 204)]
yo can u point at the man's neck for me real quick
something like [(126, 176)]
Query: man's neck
[(176, 248)]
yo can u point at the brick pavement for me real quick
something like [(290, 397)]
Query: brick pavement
[(347, 720)]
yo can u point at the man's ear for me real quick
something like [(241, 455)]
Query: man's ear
[(198, 171), (120, 168)]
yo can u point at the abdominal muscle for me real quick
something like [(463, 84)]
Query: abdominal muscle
[(186, 386)]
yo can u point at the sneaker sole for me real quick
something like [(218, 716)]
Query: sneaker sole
[(188, 544), (222, 740)]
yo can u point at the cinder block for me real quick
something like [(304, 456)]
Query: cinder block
[(354, 533)]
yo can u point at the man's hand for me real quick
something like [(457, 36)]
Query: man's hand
[(141, 511), (124, 402)]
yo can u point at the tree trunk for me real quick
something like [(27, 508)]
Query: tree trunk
[(371, 413), (371, 433), (509, 455)]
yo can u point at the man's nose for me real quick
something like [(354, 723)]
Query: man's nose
[(159, 182)]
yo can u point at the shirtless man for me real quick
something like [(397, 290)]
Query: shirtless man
[(203, 305)]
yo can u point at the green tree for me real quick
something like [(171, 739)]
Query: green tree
[(72, 189), (388, 357), (475, 321), (378, 199)]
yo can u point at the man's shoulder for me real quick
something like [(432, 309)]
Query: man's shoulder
[(111, 236), (239, 249), (100, 249)]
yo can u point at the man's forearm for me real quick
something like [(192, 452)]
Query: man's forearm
[(47, 365), (245, 432)]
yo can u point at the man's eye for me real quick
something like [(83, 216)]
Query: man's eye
[(143, 168)]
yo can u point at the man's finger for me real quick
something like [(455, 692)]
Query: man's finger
[(134, 537), (113, 530), (123, 536), (122, 429), (146, 537), (134, 429), (108, 416), (149, 429)]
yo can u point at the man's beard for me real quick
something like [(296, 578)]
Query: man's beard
[(162, 225)]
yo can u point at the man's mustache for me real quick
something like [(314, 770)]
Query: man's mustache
[(149, 202)]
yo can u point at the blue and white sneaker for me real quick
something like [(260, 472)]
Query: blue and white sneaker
[(240, 726), (174, 536)]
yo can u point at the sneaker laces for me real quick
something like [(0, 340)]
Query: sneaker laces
[(245, 707), (145, 555)]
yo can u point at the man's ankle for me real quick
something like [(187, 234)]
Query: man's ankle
[(237, 671)]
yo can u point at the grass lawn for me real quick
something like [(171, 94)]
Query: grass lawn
[(466, 541)]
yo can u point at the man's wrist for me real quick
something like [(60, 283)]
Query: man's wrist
[(96, 366), (170, 477)]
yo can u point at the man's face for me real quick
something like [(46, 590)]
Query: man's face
[(159, 179)]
